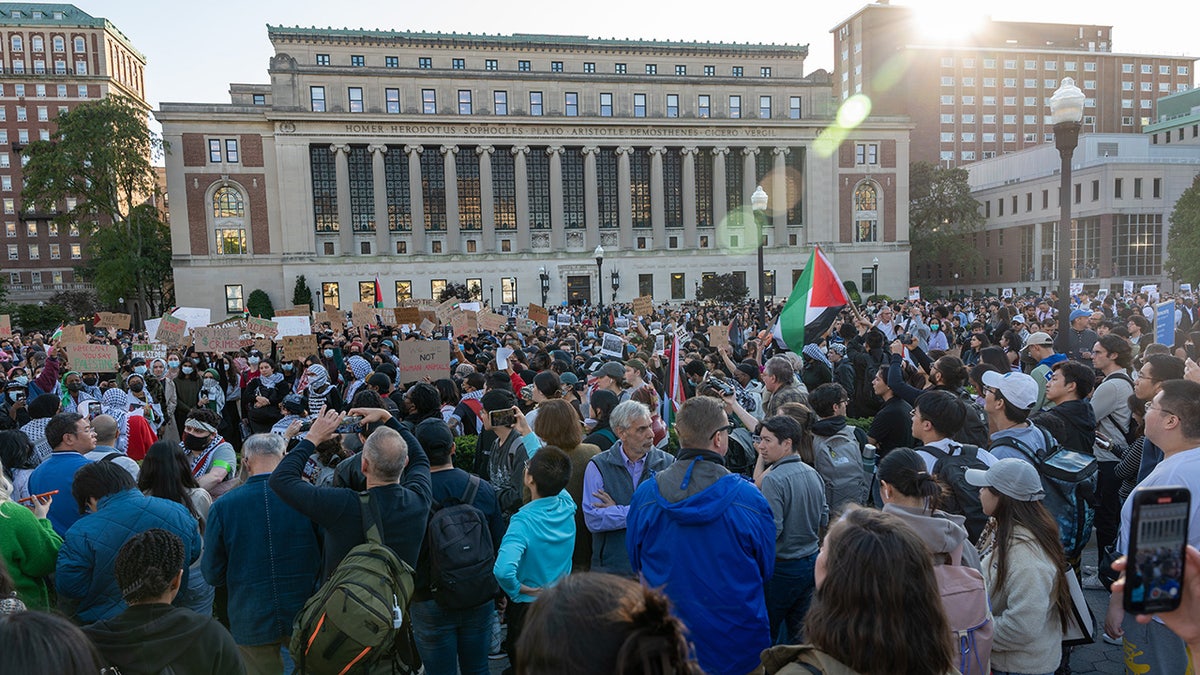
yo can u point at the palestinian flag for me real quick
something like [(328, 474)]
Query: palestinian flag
[(813, 304), (378, 294), (675, 395)]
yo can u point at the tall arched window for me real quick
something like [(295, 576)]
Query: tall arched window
[(229, 213), (866, 213)]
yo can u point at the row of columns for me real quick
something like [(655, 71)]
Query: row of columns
[(777, 189)]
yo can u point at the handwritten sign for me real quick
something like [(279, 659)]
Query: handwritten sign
[(5, 326), (427, 326), (113, 320), (643, 305), (445, 309), (89, 358), (217, 338), (406, 315), (264, 327), (491, 321), (290, 311), (363, 314), (264, 346), (299, 347), (463, 323), (718, 336), (75, 333), (336, 318), (538, 314), (423, 358), (293, 325), (195, 317), (149, 352)]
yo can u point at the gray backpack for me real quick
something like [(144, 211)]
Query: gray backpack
[(839, 461)]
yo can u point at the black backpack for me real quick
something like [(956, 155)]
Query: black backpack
[(951, 470), (864, 402), (741, 456), (461, 554), (974, 430)]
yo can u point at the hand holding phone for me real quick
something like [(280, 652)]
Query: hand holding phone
[(1158, 536), (502, 418)]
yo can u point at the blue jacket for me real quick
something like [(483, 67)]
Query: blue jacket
[(267, 553), (89, 551), (707, 537), (58, 473)]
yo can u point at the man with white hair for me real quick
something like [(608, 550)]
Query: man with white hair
[(397, 480), (266, 553), (610, 480)]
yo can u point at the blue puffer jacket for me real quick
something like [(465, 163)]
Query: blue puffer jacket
[(89, 551), (269, 556)]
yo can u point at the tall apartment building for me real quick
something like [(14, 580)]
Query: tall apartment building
[(52, 58), (423, 159), (986, 93)]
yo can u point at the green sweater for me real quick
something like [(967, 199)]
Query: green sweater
[(30, 546)]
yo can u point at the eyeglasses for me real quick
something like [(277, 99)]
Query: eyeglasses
[(992, 390), (1150, 406), (727, 427)]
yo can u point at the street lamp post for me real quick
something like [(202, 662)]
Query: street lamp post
[(545, 278), (758, 203), (616, 283), (875, 276), (599, 253), (1066, 112), (956, 284), (491, 296)]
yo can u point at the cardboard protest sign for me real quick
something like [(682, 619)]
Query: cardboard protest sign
[(429, 315), (291, 311), (423, 358), (149, 352), (336, 318), (217, 338), (293, 325), (491, 321), (299, 347), (445, 309), (89, 358), (463, 323), (538, 314), (643, 305), (74, 333), (406, 315), (5, 326), (612, 345), (526, 327), (264, 327), (427, 326), (718, 336), (363, 314), (264, 345), (196, 317), (113, 320)]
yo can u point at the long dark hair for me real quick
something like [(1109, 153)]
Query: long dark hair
[(16, 452), (879, 623), (1034, 517), (904, 470), (41, 642), (167, 474)]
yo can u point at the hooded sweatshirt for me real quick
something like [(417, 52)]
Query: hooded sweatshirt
[(942, 532), (1072, 424), (147, 639)]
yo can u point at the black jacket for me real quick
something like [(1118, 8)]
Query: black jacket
[(147, 639), (1072, 424)]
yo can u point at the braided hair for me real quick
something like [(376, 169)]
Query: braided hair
[(147, 564)]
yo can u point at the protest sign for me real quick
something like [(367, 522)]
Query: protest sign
[(113, 320), (336, 318), (563, 319), (299, 347), (90, 358), (444, 310), (502, 355), (463, 323), (217, 338), (290, 311), (363, 314), (660, 344), (470, 306), (718, 336), (1076, 288), (406, 315), (293, 325), (429, 315), (1006, 293), (5, 326), (423, 358), (612, 345), (1127, 286), (264, 327), (149, 352), (526, 327), (195, 317), (1186, 289), (74, 333), (491, 321), (264, 345), (914, 292), (426, 326), (643, 305), (538, 314), (1164, 323)]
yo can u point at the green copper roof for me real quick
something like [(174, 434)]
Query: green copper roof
[(57, 14), (532, 39)]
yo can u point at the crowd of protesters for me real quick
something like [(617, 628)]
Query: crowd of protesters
[(693, 497)]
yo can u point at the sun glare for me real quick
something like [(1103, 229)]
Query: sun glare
[(946, 21)]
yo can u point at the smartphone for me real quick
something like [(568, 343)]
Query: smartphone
[(94, 408), (351, 424), (503, 418), (1158, 537)]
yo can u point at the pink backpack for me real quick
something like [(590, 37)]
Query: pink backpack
[(965, 598)]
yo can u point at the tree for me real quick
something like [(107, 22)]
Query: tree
[(725, 288), (942, 216), (302, 294), (101, 156), (1183, 246), (259, 304), (460, 292), (119, 258), (78, 305)]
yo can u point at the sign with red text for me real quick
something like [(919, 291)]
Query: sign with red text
[(5, 326), (263, 327), (113, 320), (170, 331), (420, 359)]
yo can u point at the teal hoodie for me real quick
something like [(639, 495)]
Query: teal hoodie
[(536, 550)]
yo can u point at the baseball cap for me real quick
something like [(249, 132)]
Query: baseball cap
[(1018, 389), (1013, 477), (1017, 318), (569, 379), (1038, 338), (1081, 314), (434, 435), (613, 369)]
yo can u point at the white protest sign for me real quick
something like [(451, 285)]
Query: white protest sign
[(612, 345), (1007, 293), (293, 325), (1076, 287), (1185, 288), (914, 292), (1127, 286), (196, 317), (152, 328), (469, 306)]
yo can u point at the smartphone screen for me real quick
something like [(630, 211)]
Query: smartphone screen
[(1158, 535), (94, 409), (503, 418)]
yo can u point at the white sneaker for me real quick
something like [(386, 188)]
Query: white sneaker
[(1091, 582)]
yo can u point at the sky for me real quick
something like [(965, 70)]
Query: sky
[(194, 50)]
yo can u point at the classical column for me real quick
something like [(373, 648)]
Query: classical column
[(779, 195), (719, 202), (591, 208), (383, 236), (486, 204), (416, 198), (689, 196), (520, 152), (557, 225), (749, 175), (658, 216), (624, 200), (1037, 253), (345, 227), (454, 243)]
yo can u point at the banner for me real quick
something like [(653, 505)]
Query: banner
[(299, 347), (89, 358), (538, 314), (264, 327), (643, 305), (113, 320), (217, 339), (423, 358)]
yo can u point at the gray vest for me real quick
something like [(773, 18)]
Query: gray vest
[(608, 548)]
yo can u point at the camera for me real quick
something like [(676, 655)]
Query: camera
[(722, 387)]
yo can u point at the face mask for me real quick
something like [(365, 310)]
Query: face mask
[(137, 387), (194, 442), (90, 381), (934, 326), (21, 380), (188, 370), (328, 353), (73, 387), (287, 367), (226, 366), (253, 360), (140, 370), (172, 364)]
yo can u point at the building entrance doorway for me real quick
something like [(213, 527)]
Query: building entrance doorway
[(579, 290)]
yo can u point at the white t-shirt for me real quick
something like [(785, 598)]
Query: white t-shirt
[(1181, 469), (952, 448)]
